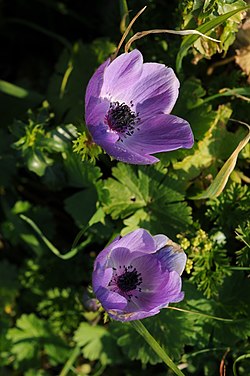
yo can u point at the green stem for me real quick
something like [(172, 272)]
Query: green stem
[(242, 357), (140, 328), (239, 268), (75, 353), (201, 314)]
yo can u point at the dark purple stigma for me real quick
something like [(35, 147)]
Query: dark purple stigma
[(129, 280), (121, 118)]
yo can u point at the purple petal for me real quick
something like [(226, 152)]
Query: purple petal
[(121, 256), (172, 293), (96, 111), (102, 135), (172, 258), (151, 273), (108, 140), (169, 291), (160, 241), (138, 241), (121, 75), (110, 299), (103, 256), (157, 90), (125, 154), (95, 83), (101, 277), (162, 133), (129, 316)]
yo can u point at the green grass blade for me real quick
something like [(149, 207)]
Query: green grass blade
[(51, 247)]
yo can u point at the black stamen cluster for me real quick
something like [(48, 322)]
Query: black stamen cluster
[(129, 280), (121, 118)]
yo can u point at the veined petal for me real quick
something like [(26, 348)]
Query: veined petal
[(103, 136), (121, 75), (101, 277), (156, 91), (171, 291), (161, 133), (172, 257), (151, 272), (120, 257), (109, 141), (138, 241), (95, 83), (110, 299), (130, 316), (125, 154), (160, 241), (96, 111), (103, 256)]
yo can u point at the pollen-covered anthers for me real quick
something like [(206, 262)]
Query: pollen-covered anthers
[(122, 119), (126, 279)]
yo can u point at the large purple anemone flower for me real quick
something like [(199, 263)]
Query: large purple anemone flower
[(137, 275), (127, 109)]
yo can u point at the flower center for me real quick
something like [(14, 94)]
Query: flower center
[(129, 280), (121, 118)]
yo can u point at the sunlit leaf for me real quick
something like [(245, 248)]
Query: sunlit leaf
[(209, 25)]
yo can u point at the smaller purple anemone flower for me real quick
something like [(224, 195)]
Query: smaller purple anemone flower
[(127, 109), (137, 275)]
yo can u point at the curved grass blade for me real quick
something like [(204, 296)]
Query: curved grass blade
[(51, 247), (217, 186), (190, 39)]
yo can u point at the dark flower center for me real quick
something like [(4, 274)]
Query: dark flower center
[(121, 118), (129, 280)]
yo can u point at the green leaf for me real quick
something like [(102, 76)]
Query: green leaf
[(190, 39), (127, 192), (243, 234), (230, 209), (80, 173), (97, 344), (146, 197), (32, 335)]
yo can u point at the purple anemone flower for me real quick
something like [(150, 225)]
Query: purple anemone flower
[(127, 109), (137, 275)]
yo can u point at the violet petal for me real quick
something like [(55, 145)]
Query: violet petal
[(139, 240), (162, 133), (172, 259), (95, 83), (121, 75)]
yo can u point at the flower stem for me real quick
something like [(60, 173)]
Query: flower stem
[(75, 353), (140, 328)]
